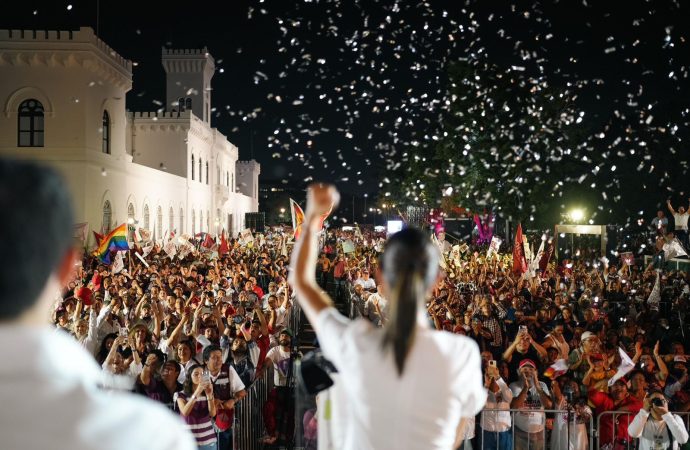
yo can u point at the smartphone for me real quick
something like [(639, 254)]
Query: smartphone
[(123, 331), (205, 377), (523, 329), (492, 363)]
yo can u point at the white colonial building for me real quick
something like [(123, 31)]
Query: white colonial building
[(62, 95)]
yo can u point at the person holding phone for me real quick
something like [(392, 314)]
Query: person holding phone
[(496, 421), (381, 368), (656, 427), (197, 406)]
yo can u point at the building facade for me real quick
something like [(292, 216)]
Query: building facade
[(63, 99)]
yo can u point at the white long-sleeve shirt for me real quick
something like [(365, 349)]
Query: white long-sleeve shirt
[(497, 421), (48, 379), (90, 341), (647, 429), (441, 383)]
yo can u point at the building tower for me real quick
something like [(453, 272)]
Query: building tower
[(188, 81)]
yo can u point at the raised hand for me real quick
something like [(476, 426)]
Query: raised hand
[(321, 198)]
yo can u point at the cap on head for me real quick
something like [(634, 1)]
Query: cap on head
[(527, 363), (586, 335), (288, 332)]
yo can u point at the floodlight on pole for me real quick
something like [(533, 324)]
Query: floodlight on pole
[(576, 215)]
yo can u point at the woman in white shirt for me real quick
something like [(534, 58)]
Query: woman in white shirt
[(409, 387), (496, 422), (657, 428)]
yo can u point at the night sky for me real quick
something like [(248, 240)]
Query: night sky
[(336, 90)]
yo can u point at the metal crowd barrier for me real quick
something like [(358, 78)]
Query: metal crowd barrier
[(537, 440), (629, 443), (248, 424)]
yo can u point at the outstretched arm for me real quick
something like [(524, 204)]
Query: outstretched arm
[(670, 208), (320, 199)]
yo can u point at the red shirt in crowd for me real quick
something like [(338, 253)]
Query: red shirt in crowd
[(603, 402)]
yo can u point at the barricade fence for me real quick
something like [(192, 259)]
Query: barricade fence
[(248, 424), (554, 429), (616, 440)]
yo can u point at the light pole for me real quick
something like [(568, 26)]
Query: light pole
[(575, 215), (364, 211), (282, 215)]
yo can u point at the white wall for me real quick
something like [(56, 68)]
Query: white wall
[(76, 76)]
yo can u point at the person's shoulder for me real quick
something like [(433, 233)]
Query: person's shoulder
[(130, 420), (456, 344)]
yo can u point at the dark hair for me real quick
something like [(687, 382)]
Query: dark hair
[(188, 386), (173, 363), (160, 357), (36, 232), (103, 351), (210, 349), (409, 265)]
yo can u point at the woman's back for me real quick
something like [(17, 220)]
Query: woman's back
[(420, 409)]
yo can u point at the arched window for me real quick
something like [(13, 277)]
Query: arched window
[(171, 219), (232, 182), (227, 178), (130, 221), (180, 104), (181, 221), (193, 223), (218, 179), (192, 167), (146, 218), (159, 225), (200, 173), (188, 104), (107, 217), (30, 124), (201, 221), (106, 132), (206, 172)]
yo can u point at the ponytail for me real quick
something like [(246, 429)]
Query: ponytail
[(399, 332), (409, 265)]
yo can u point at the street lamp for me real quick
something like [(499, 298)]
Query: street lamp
[(576, 215), (282, 215)]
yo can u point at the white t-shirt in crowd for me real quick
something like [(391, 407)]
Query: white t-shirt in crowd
[(366, 284), (51, 399), (440, 384), (281, 365), (681, 220), (531, 417)]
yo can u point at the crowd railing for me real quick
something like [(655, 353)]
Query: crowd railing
[(626, 442), (248, 424), (539, 439)]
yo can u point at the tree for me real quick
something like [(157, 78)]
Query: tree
[(509, 143)]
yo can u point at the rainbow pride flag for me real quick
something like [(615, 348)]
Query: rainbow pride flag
[(113, 241)]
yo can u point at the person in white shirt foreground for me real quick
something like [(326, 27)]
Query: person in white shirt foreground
[(408, 387), (657, 428), (50, 384)]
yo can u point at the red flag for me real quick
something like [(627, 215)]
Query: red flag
[(546, 257), (223, 248), (208, 241), (519, 260)]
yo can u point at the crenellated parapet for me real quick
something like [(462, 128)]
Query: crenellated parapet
[(57, 48)]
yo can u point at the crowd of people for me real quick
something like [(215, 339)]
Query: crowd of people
[(194, 332), (584, 337)]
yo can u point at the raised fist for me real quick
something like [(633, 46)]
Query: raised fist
[(321, 199)]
